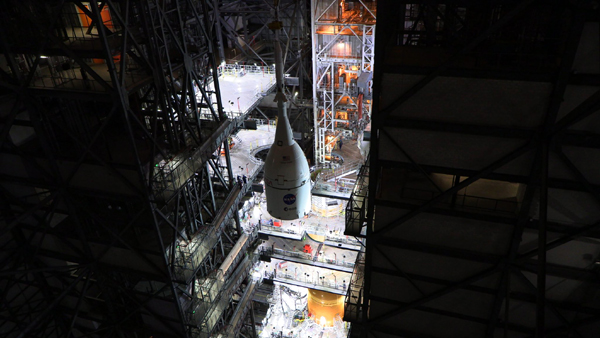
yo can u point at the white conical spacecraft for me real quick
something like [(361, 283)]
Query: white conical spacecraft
[(287, 177)]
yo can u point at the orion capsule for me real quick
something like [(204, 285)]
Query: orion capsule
[(287, 176)]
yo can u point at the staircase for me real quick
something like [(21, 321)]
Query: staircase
[(345, 169), (237, 139)]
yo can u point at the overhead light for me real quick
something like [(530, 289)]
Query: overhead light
[(43, 57)]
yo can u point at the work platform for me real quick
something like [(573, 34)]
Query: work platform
[(295, 282), (343, 245), (304, 258), (242, 87)]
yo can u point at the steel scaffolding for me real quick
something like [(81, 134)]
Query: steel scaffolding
[(343, 41), (116, 186)]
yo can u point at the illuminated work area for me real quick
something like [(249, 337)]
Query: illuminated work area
[(299, 168)]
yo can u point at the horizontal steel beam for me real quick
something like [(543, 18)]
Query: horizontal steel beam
[(460, 128), (566, 272), (516, 295), (556, 183), (451, 314), (470, 73), (445, 251)]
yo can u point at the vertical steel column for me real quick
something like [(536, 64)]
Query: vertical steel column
[(299, 38), (556, 98), (238, 223), (314, 46), (228, 162), (331, 104), (541, 273), (219, 32), (252, 319)]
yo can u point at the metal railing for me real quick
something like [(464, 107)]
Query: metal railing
[(236, 70), (279, 229), (273, 252), (169, 176), (357, 205), (329, 179), (343, 186), (256, 146), (217, 307), (188, 258), (353, 306), (309, 281), (239, 251), (313, 229), (284, 253), (264, 122), (250, 175), (207, 293), (237, 320), (328, 174), (344, 240), (189, 255)]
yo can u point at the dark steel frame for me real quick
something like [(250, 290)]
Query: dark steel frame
[(537, 143), (96, 255)]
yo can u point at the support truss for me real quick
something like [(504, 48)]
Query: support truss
[(343, 46)]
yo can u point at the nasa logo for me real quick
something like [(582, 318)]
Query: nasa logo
[(289, 199)]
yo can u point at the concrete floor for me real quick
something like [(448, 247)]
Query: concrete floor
[(242, 157), (241, 93), (337, 180)]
